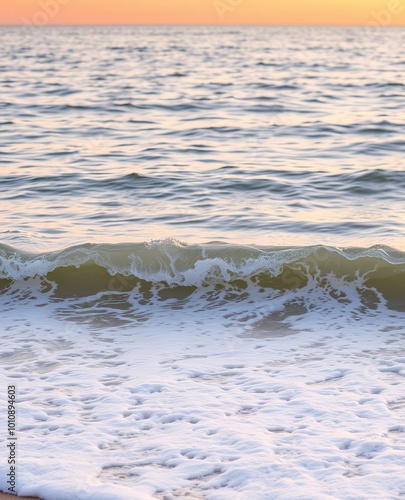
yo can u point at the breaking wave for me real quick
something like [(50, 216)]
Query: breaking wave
[(180, 270)]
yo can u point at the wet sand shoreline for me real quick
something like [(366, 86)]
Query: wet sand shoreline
[(8, 496)]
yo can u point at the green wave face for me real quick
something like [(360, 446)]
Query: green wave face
[(172, 270)]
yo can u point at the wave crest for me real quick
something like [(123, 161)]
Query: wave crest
[(92, 268)]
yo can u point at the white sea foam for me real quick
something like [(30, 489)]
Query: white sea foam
[(205, 404)]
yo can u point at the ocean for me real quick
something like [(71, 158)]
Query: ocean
[(202, 261)]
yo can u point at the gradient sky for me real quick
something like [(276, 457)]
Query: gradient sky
[(357, 12)]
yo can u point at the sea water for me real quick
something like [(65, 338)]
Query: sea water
[(202, 261)]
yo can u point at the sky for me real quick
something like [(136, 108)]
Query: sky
[(329, 12)]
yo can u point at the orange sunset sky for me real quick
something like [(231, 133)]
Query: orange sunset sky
[(350, 12)]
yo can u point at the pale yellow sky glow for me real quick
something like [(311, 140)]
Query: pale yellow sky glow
[(330, 12)]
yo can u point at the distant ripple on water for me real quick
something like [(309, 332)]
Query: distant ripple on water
[(270, 136)]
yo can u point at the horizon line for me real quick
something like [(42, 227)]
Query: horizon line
[(202, 24)]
